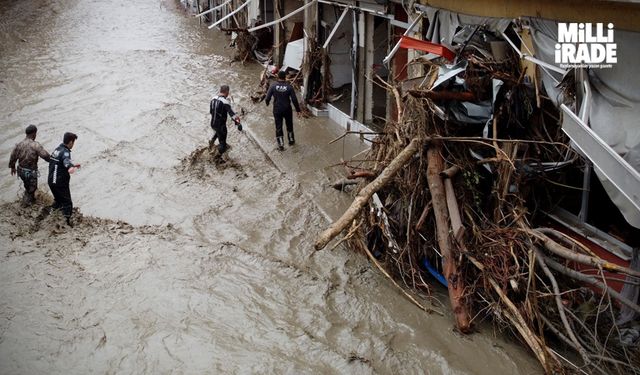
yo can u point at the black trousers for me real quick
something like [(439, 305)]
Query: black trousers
[(30, 180), (288, 118), (220, 133), (62, 198)]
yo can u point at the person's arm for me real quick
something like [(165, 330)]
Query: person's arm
[(42, 152), (12, 160), (66, 161), (269, 94), (294, 99)]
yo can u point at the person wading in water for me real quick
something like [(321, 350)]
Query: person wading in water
[(220, 108), (60, 170), (283, 95), (26, 153)]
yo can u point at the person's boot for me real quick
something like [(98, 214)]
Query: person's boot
[(69, 222), (280, 143), (291, 139), (25, 200), (222, 148)]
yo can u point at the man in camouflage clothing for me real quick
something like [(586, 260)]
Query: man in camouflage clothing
[(26, 153)]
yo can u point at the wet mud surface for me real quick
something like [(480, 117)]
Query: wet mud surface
[(181, 260)]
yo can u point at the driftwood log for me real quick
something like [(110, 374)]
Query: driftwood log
[(449, 261), (366, 193)]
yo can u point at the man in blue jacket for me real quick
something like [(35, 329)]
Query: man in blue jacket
[(60, 170), (283, 95)]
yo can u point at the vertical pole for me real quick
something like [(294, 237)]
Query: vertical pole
[(367, 85), (354, 65)]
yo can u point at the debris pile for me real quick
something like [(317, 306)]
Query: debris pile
[(456, 188)]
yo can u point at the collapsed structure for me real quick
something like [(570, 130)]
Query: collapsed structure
[(495, 171)]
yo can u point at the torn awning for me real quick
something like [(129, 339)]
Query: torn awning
[(422, 45)]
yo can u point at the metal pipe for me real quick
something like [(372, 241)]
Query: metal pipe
[(335, 28), (354, 66), (230, 14), (397, 46), (213, 9), (283, 18)]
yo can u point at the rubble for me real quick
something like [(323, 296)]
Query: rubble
[(460, 179)]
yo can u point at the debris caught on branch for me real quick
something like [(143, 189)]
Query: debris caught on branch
[(464, 174)]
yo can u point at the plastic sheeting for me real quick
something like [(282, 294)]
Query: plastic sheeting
[(294, 54), (614, 110), (443, 24)]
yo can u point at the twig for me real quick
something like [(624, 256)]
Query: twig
[(365, 194)]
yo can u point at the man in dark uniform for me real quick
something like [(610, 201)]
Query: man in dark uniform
[(26, 153), (60, 170), (283, 95), (220, 108)]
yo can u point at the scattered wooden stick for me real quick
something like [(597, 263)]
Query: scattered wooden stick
[(450, 172), (410, 297), (454, 211), (365, 194), (515, 317), (565, 253), (423, 216), (591, 281), (563, 317)]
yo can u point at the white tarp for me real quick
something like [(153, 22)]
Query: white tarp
[(294, 54)]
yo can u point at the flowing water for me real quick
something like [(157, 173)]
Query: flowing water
[(180, 262)]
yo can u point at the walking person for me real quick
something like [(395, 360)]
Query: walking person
[(220, 108), (283, 95), (60, 170), (26, 153)]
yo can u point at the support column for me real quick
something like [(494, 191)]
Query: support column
[(369, 53), (280, 34), (310, 38), (354, 66)]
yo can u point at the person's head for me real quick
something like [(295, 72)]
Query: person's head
[(69, 139), (31, 131), (282, 75), (224, 90)]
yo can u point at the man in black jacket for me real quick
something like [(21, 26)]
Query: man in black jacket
[(60, 170), (283, 95), (220, 108)]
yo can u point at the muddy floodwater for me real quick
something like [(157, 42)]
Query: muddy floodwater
[(180, 263)]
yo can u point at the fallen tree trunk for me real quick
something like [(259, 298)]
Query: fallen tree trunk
[(366, 193), (435, 165)]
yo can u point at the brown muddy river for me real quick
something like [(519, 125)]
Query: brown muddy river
[(178, 264)]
